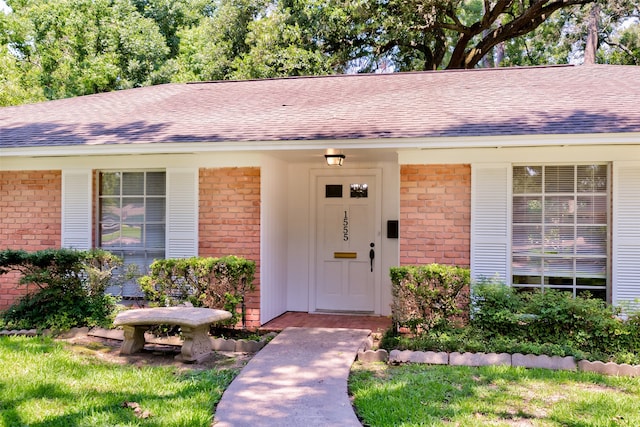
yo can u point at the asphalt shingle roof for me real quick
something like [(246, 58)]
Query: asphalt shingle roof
[(485, 102)]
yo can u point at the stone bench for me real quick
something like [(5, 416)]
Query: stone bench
[(193, 321)]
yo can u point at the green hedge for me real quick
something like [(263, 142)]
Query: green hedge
[(505, 320), (428, 296), (588, 325), (64, 288), (220, 283)]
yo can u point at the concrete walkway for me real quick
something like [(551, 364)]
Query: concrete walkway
[(298, 379)]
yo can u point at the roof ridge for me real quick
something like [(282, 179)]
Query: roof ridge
[(353, 75)]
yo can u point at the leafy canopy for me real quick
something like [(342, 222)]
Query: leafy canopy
[(55, 49)]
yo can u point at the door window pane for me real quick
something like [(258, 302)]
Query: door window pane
[(359, 191), (333, 191)]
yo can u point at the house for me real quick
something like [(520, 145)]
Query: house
[(531, 175)]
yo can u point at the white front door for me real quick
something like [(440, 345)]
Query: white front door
[(347, 240)]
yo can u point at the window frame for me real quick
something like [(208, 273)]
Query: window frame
[(574, 287), (139, 252)]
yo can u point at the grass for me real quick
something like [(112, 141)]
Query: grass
[(44, 384), (422, 395)]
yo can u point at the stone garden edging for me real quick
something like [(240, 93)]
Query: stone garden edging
[(21, 332), (496, 359)]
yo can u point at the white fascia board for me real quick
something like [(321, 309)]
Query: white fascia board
[(425, 143)]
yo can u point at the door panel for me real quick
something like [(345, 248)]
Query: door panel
[(345, 279)]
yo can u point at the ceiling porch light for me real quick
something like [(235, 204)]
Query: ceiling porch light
[(334, 159)]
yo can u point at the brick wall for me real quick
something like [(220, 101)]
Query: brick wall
[(435, 214), (30, 218), (230, 221)]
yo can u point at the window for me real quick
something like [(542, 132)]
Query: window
[(560, 228), (131, 218)]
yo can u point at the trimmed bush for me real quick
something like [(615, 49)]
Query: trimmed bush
[(550, 322), (65, 288), (428, 296), (220, 283)]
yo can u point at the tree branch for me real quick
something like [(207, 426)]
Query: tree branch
[(529, 20)]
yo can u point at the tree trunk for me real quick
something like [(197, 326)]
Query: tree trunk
[(592, 36)]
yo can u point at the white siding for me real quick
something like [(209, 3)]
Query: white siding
[(76, 209), (273, 239), (182, 213), (626, 234), (490, 219)]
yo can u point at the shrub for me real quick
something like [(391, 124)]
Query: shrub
[(551, 322), (496, 309), (429, 296), (220, 283), (69, 288)]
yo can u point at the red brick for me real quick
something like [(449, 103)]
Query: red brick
[(435, 212)]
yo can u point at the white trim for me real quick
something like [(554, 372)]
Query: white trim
[(625, 269), (630, 138), (491, 221), (543, 154), (182, 213), (76, 218)]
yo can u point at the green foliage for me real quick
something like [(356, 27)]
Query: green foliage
[(549, 322), (56, 49), (220, 283), (69, 288), (624, 46), (78, 47), (495, 308), (586, 324), (428, 296)]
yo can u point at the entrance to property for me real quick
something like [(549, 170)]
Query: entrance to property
[(346, 242)]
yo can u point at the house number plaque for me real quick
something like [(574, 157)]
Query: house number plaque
[(345, 227)]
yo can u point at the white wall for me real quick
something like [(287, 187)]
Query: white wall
[(273, 238), (299, 280)]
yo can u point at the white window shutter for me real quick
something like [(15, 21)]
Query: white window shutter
[(490, 221), (625, 269), (182, 213), (76, 209)]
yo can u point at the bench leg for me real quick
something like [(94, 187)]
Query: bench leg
[(196, 344), (133, 339)]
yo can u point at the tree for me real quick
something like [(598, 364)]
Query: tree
[(299, 37), (563, 37), (626, 46), (208, 49), (436, 34), (173, 15), (78, 47), (52, 49)]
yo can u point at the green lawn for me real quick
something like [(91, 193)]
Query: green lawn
[(422, 395), (44, 384)]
